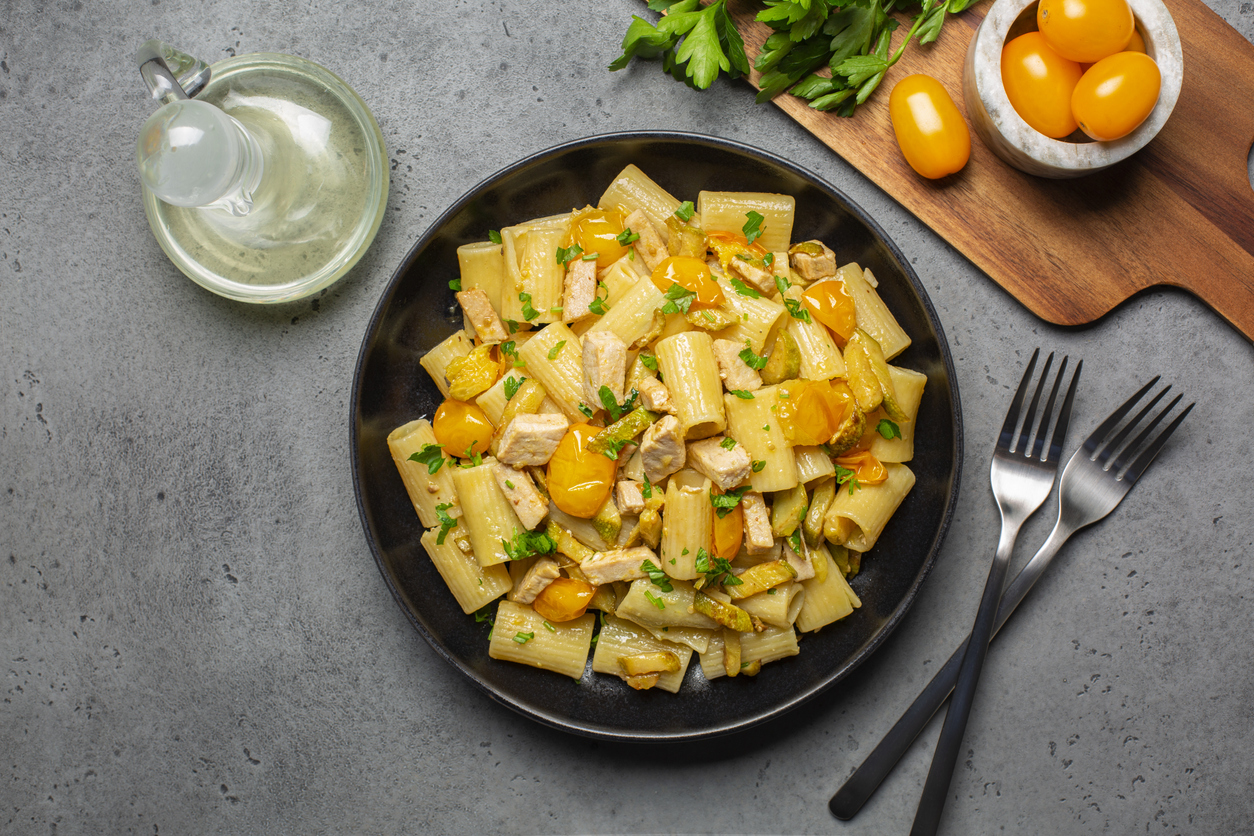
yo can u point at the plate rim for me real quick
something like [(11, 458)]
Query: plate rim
[(804, 695)]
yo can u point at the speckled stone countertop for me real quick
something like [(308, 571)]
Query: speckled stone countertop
[(194, 637)]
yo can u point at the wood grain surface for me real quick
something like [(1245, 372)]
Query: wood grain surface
[(1180, 212)]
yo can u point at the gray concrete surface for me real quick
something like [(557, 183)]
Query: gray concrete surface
[(195, 639)]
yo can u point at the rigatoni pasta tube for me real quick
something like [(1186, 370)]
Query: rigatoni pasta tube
[(436, 361), (482, 266), (778, 606), (471, 584), (633, 189), (820, 358), (663, 609), (426, 490), (686, 526), (771, 644), (531, 268), (562, 374), (869, 507), (690, 372), (812, 463), (753, 424), (756, 318), (522, 635), (728, 211), (631, 315), (826, 601), (486, 513), (620, 638), (908, 386), (871, 314)]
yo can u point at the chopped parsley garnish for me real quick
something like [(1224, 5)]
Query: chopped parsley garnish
[(528, 312), (770, 591), (657, 576), (758, 464), (684, 552), (553, 629), (589, 256), (597, 305), (485, 613), (888, 429), (447, 523), (556, 349), (528, 544), (512, 385), (725, 503), (685, 211), (795, 309), (848, 477), (650, 362), (768, 259), (523, 638), (613, 407), (744, 289), (510, 349), (585, 409), (743, 394), (555, 309), (475, 458), (455, 284), (654, 600), (494, 236), (431, 456), (794, 541), (766, 428), (728, 443), (513, 325), (678, 300), (565, 255), (752, 360), (509, 484), (647, 490), (717, 570), (753, 226), (627, 237)]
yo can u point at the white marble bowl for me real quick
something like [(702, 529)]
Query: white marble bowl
[(1012, 139)]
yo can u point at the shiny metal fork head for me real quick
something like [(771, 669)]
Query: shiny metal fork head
[(1023, 468), (1107, 465)]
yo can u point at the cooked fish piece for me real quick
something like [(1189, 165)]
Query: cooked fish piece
[(617, 565), (813, 260), (530, 440), (662, 448), (579, 290), (758, 536), (542, 573), (725, 466), (478, 309), (629, 497), (530, 507), (654, 396), (736, 373), (651, 245), (604, 364)]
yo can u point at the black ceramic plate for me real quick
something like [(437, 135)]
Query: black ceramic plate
[(418, 310)]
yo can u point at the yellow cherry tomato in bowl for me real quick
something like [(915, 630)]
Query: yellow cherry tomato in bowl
[(1039, 83), (1116, 95), (1085, 31), (692, 274), (931, 132), (462, 428), (580, 480), (598, 232), (832, 305)]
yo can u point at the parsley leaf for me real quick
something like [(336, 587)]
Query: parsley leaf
[(523, 638), (485, 613), (848, 477), (768, 259), (685, 211), (888, 429), (679, 300), (796, 310), (656, 576), (717, 570), (589, 256), (528, 312), (612, 406), (627, 237), (758, 464), (649, 361), (475, 458), (753, 226), (431, 456), (647, 490), (510, 349), (455, 284), (556, 349), (565, 255), (494, 236), (654, 600), (743, 394), (752, 360), (528, 544), (744, 289), (782, 283), (725, 503), (447, 523), (586, 410), (511, 386), (727, 443), (597, 305)]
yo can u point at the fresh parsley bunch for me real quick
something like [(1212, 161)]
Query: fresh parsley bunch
[(851, 39)]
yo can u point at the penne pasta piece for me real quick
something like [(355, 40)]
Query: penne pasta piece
[(473, 586), (872, 315), (869, 508), (522, 635), (426, 490), (728, 211), (690, 372), (753, 424), (486, 513)]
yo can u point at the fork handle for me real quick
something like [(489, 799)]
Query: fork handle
[(866, 779)]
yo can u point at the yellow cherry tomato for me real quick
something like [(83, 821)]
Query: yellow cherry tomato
[(462, 428), (726, 533), (1085, 31), (564, 599), (931, 132), (580, 480), (812, 412), (832, 305), (692, 275), (729, 245), (1116, 95), (1039, 83), (866, 468), (597, 232)]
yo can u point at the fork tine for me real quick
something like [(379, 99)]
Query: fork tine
[(1048, 413), (1064, 416), (1093, 441), (1109, 448), (1021, 446), (1012, 415), (1147, 455)]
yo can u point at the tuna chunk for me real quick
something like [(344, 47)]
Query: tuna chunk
[(629, 497), (521, 492), (580, 290), (662, 448), (654, 395), (763, 280), (530, 440), (617, 565), (800, 563), (725, 467), (736, 373), (604, 364), (758, 536), (542, 573), (814, 267), (478, 309), (651, 245)]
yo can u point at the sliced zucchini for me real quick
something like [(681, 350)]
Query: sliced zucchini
[(760, 578), (728, 615), (613, 437), (788, 510), (661, 661), (607, 521), (784, 362), (879, 368), (731, 652), (820, 500)]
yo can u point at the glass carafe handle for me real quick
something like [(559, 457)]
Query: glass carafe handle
[(184, 75)]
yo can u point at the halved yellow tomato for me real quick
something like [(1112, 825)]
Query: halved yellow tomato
[(867, 469), (692, 275), (597, 232), (726, 533), (729, 245), (812, 411), (832, 305), (580, 480), (462, 428)]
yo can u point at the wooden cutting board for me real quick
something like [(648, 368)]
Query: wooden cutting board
[(1180, 212)]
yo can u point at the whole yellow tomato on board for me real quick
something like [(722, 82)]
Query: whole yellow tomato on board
[(1039, 83), (1116, 95), (1085, 30), (462, 428), (580, 480), (931, 132)]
